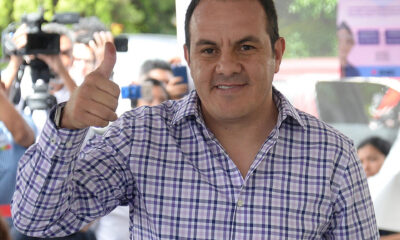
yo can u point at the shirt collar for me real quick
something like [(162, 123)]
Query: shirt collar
[(189, 106)]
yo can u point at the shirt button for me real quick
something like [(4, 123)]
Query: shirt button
[(240, 203), (53, 141), (68, 144)]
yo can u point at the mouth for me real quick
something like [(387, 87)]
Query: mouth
[(229, 88)]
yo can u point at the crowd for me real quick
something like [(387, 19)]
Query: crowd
[(22, 119)]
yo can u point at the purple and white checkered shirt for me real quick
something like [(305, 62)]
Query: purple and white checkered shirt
[(305, 183)]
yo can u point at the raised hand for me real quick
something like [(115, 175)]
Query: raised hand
[(94, 103), (98, 42)]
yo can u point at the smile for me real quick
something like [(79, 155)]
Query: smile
[(225, 87)]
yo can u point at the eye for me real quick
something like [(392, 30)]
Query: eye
[(208, 51), (246, 47)]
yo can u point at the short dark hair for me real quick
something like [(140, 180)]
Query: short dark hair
[(151, 64), (270, 12), (380, 144)]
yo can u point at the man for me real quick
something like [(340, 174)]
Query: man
[(62, 85), (232, 160), (88, 50), (162, 71)]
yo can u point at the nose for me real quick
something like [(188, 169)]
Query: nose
[(228, 64)]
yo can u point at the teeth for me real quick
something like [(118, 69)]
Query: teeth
[(225, 87)]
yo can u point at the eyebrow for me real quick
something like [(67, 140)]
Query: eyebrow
[(205, 42), (241, 41), (249, 39)]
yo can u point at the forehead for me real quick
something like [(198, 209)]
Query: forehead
[(228, 16), (65, 42)]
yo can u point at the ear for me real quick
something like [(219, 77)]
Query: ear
[(279, 49), (187, 56)]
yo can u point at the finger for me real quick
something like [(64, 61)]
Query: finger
[(98, 37), (108, 86), (93, 45), (101, 112), (110, 57), (103, 37), (109, 37), (106, 99)]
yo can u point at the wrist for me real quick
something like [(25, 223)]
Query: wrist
[(59, 115)]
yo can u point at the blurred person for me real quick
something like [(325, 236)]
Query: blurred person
[(17, 133), (161, 70), (346, 43), (61, 85), (231, 160), (153, 94), (372, 153), (4, 230), (88, 51)]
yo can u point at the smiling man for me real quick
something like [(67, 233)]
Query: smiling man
[(232, 160)]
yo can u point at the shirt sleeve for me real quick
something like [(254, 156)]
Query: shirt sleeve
[(353, 212), (61, 188)]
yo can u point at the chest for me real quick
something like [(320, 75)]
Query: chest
[(190, 190)]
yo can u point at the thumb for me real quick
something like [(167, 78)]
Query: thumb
[(110, 56)]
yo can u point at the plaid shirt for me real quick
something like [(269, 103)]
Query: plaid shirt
[(305, 183)]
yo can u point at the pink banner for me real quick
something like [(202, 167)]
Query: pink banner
[(369, 37)]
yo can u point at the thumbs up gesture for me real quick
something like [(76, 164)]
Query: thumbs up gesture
[(94, 102)]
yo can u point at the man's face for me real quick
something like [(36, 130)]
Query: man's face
[(84, 59), (231, 60), (66, 51), (158, 96), (371, 159), (161, 75)]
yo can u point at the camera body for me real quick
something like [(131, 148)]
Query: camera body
[(38, 42), (131, 92), (180, 71)]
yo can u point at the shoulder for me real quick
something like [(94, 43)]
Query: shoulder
[(321, 129)]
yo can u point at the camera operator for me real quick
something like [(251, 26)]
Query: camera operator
[(62, 84), (162, 71)]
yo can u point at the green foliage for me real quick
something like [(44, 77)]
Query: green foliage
[(309, 27), (159, 16), (135, 15), (317, 8), (152, 16)]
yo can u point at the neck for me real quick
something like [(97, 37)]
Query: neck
[(253, 129), (243, 138)]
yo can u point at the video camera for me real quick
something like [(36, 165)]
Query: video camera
[(38, 42)]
